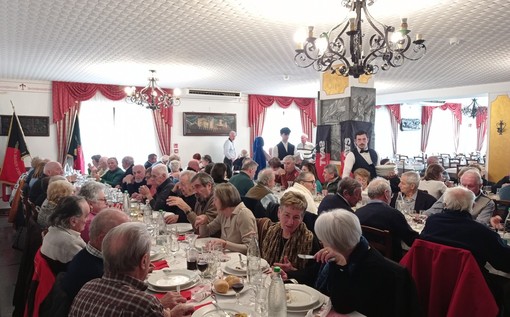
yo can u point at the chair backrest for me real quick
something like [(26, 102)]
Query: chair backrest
[(255, 206), (262, 225), (272, 211), (42, 283), (449, 281), (379, 240), (504, 193)]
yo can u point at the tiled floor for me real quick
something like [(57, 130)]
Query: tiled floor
[(9, 264)]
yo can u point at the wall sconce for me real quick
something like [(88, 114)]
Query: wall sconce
[(500, 127)]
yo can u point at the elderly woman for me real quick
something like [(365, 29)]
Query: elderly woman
[(57, 190), (356, 276), (93, 192), (63, 239), (235, 221), (310, 167), (175, 170), (289, 237), (432, 181), (263, 189)]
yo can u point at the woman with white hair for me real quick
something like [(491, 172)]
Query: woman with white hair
[(356, 276)]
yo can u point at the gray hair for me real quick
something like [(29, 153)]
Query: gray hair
[(339, 228), (90, 190), (249, 165), (348, 185), (471, 171), (289, 157), (459, 199), (106, 220), (377, 187), (265, 176), (187, 173), (412, 177), (331, 169), (303, 177), (129, 160), (160, 168), (175, 165), (124, 246), (203, 178)]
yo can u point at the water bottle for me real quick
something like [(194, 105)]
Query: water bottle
[(276, 297), (399, 203), (253, 257), (160, 222), (125, 203)]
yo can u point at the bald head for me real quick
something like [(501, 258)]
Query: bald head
[(53, 168), (103, 222)]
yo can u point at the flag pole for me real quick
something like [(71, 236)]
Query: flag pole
[(19, 124)]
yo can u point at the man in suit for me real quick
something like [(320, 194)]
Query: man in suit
[(283, 148), (379, 214), (361, 156), (347, 195), (414, 199)]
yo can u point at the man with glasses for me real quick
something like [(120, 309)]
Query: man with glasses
[(164, 185), (305, 185), (290, 171)]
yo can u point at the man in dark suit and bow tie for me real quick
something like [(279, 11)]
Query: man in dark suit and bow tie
[(361, 156)]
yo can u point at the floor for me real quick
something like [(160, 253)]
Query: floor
[(9, 264)]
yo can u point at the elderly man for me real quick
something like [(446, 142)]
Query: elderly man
[(331, 179), (88, 263), (121, 291), (284, 148), (164, 185), (151, 159), (456, 227), (413, 198), (306, 148), (290, 171), (132, 183), (244, 180), (229, 151), (127, 164), (379, 214), (93, 192), (347, 195), (484, 206), (361, 156), (37, 193), (305, 185), (262, 191), (114, 175), (181, 198)]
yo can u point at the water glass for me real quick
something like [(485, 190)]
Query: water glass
[(162, 244)]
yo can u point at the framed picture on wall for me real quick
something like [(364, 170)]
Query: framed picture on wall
[(31, 125), (207, 123), (410, 124)]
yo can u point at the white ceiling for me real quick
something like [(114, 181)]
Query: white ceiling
[(242, 45)]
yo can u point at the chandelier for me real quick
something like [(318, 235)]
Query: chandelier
[(386, 48), (472, 109), (151, 96)]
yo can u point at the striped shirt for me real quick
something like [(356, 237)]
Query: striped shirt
[(115, 295)]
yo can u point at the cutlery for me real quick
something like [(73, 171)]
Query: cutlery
[(241, 261), (218, 308), (306, 256)]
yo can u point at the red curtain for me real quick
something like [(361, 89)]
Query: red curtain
[(163, 121), (481, 127), (257, 105), (395, 119), (426, 119)]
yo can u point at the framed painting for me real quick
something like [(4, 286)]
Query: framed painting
[(31, 125), (410, 124), (207, 123)]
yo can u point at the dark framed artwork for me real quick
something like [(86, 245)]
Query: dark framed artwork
[(31, 125), (410, 124), (207, 123)]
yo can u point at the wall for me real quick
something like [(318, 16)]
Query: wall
[(499, 152)]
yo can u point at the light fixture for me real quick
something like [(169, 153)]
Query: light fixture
[(472, 109), (386, 48), (500, 127), (151, 96)]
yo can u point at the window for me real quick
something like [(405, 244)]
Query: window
[(277, 118)]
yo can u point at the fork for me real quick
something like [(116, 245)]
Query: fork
[(241, 260), (218, 308)]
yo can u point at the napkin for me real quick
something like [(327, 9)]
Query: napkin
[(186, 294), (158, 265), (323, 311)]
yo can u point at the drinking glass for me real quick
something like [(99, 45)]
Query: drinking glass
[(238, 287), (202, 264), (162, 244), (174, 244), (487, 189)]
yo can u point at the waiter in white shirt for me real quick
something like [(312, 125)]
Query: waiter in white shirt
[(283, 148), (229, 151), (306, 148), (361, 156)]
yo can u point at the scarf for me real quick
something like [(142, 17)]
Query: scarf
[(299, 243)]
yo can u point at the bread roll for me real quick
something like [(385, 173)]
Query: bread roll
[(221, 286), (231, 280)]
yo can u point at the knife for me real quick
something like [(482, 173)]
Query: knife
[(241, 260)]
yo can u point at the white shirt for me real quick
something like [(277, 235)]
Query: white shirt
[(306, 149), (350, 160), (433, 187), (312, 207), (275, 149), (229, 150)]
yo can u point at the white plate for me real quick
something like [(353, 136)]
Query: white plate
[(171, 279), (164, 290), (230, 272), (201, 242), (300, 297), (234, 265), (157, 256), (211, 311), (231, 292), (180, 227), (309, 290)]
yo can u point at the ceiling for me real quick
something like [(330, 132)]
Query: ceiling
[(240, 45)]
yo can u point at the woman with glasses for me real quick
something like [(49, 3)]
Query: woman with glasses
[(94, 194)]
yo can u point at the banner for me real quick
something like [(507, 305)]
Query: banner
[(323, 149), (75, 148), (16, 150), (348, 130)]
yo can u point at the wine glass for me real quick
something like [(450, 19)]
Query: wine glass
[(202, 264), (238, 287), (174, 244)]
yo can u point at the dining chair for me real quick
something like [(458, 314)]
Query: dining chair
[(379, 240)]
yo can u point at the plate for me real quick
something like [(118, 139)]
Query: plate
[(201, 242), (234, 265), (157, 256), (300, 298), (228, 271), (180, 227), (311, 293), (211, 311), (163, 290), (170, 279)]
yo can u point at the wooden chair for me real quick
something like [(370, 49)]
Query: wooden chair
[(379, 240), (454, 162)]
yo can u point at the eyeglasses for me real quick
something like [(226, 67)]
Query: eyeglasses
[(309, 181), (102, 199)]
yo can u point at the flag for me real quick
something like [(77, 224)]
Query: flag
[(323, 149), (16, 150), (75, 148)]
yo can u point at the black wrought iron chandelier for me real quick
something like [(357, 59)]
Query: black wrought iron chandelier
[(151, 96), (472, 109), (386, 48)]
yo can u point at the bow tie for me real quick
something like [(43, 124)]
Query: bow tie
[(363, 151)]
